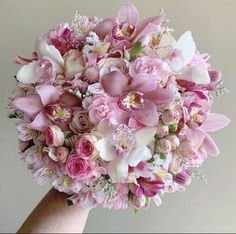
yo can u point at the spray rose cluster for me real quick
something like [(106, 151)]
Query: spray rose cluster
[(116, 112)]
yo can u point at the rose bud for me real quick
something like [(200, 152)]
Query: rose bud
[(162, 130), (183, 178), (164, 146), (54, 136), (174, 140), (62, 154), (170, 117), (215, 75), (85, 147)]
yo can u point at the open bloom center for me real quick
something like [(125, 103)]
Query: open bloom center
[(197, 116), (122, 31)]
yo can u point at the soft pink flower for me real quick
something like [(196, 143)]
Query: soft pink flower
[(54, 135), (59, 154), (183, 178), (77, 167), (80, 122), (139, 202), (85, 147), (170, 117), (164, 146), (162, 130)]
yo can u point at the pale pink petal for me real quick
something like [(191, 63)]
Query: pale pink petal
[(210, 146), (105, 27), (118, 170), (143, 83), (215, 122), (30, 105), (40, 121), (144, 136), (48, 94), (128, 13), (160, 96), (114, 83), (138, 155), (147, 115), (104, 129), (148, 30), (26, 74), (197, 136), (70, 99)]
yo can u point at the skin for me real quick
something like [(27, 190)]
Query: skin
[(52, 215)]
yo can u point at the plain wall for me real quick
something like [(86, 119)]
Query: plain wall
[(202, 208)]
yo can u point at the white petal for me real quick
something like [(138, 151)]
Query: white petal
[(187, 46), (118, 170), (106, 149), (26, 74), (195, 74), (43, 49), (139, 155), (104, 129), (144, 136)]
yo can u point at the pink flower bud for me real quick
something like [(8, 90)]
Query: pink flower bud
[(174, 140), (162, 130), (54, 136), (139, 202), (62, 154), (164, 146), (183, 178), (170, 117)]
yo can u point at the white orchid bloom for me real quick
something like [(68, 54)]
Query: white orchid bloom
[(180, 59), (123, 148)]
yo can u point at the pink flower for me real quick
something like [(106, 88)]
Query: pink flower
[(183, 178), (170, 117), (80, 122), (54, 135), (140, 98), (164, 146), (139, 202), (77, 167), (59, 154), (85, 147)]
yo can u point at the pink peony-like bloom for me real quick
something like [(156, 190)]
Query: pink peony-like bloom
[(59, 154), (54, 135), (80, 122), (77, 167), (85, 147)]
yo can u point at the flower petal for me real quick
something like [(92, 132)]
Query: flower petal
[(118, 170), (105, 27), (26, 74), (147, 115), (30, 105), (143, 83), (114, 83), (138, 155), (106, 149), (210, 146), (40, 121), (215, 122), (160, 96), (195, 74), (43, 49), (149, 29), (144, 136), (197, 136), (48, 94), (187, 46), (128, 13)]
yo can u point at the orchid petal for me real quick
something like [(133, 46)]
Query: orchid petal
[(128, 13), (104, 129), (26, 74), (187, 46), (210, 146), (30, 105), (48, 94), (147, 115), (105, 27), (215, 122), (40, 121), (114, 83), (143, 83), (138, 155), (43, 49), (149, 29), (144, 136), (197, 136), (118, 170), (106, 149), (160, 96), (195, 74)]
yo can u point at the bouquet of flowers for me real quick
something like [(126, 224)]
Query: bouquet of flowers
[(116, 112)]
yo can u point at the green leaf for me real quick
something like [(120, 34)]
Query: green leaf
[(162, 156), (136, 50), (69, 202)]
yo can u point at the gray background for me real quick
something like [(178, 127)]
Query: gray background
[(203, 208)]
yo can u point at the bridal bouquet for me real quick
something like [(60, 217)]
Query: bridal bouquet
[(116, 112)]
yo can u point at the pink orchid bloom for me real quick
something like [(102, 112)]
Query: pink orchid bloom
[(39, 106), (139, 98), (123, 148)]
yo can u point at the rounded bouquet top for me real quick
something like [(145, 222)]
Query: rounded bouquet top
[(116, 112)]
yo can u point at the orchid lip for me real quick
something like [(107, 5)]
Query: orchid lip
[(122, 31)]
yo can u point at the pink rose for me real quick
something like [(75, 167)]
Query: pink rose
[(99, 108), (85, 147), (74, 63), (54, 136), (147, 65), (80, 122), (59, 154), (77, 167)]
